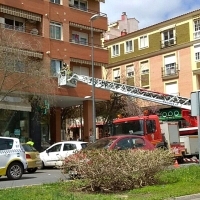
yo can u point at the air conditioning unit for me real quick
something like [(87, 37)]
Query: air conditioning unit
[(34, 31), (71, 2)]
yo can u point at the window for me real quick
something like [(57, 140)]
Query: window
[(16, 23), (56, 66), (168, 38), (151, 126), (129, 71), (55, 30), (144, 67), (6, 144), (69, 147), (170, 64), (55, 148), (196, 33), (82, 5), (79, 37), (81, 70), (129, 46), (55, 1), (115, 50), (143, 42), (197, 52), (116, 74), (171, 88), (13, 64)]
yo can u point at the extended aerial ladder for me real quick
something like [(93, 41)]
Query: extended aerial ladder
[(141, 93)]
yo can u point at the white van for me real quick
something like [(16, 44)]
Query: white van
[(13, 158)]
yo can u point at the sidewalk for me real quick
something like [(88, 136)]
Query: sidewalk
[(188, 197)]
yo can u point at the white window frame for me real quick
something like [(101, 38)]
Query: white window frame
[(197, 52), (130, 71), (115, 50), (171, 88), (55, 1), (57, 67), (128, 46), (116, 74), (196, 33), (143, 41), (55, 25), (170, 64), (144, 67), (80, 70), (14, 19), (169, 40)]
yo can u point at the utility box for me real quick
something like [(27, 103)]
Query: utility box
[(191, 144), (171, 132)]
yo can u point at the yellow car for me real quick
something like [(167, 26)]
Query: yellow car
[(32, 158)]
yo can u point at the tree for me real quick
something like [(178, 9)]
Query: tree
[(24, 74)]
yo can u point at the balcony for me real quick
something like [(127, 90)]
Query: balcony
[(83, 52), (168, 43), (170, 71), (85, 43), (83, 21), (23, 29)]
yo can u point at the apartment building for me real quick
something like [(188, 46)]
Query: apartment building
[(163, 57), (62, 30)]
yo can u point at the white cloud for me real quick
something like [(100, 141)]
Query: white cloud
[(147, 12)]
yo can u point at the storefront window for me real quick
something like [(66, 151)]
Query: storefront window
[(14, 124)]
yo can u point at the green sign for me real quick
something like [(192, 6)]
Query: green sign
[(170, 114)]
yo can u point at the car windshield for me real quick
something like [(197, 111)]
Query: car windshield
[(28, 148), (135, 127), (101, 144)]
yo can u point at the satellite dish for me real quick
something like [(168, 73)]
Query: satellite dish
[(34, 31)]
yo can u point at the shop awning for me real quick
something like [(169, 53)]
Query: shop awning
[(21, 51), (15, 106), (87, 62), (20, 13), (85, 27)]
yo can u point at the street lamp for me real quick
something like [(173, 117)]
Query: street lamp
[(94, 17)]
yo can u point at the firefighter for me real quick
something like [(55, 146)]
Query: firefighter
[(30, 142)]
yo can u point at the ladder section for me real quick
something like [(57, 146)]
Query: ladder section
[(136, 92)]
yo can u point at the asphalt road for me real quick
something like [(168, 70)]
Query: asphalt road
[(39, 177)]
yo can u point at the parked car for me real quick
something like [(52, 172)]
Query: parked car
[(12, 158), (118, 142), (32, 157), (56, 153), (122, 142)]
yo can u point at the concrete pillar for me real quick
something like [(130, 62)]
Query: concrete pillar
[(87, 118), (55, 125)]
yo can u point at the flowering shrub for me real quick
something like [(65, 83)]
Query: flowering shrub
[(117, 170)]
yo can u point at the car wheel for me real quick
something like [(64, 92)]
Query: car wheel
[(43, 166), (15, 171), (32, 170)]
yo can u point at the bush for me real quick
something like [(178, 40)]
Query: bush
[(107, 170)]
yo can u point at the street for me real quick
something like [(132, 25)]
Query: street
[(39, 177)]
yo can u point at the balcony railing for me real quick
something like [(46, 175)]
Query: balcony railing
[(33, 31), (86, 43), (168, 43), (170, 71), (196, 35), (82, 8)]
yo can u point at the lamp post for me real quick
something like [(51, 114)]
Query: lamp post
[(94, 17)]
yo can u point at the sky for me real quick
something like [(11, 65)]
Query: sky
[(147, 12)]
